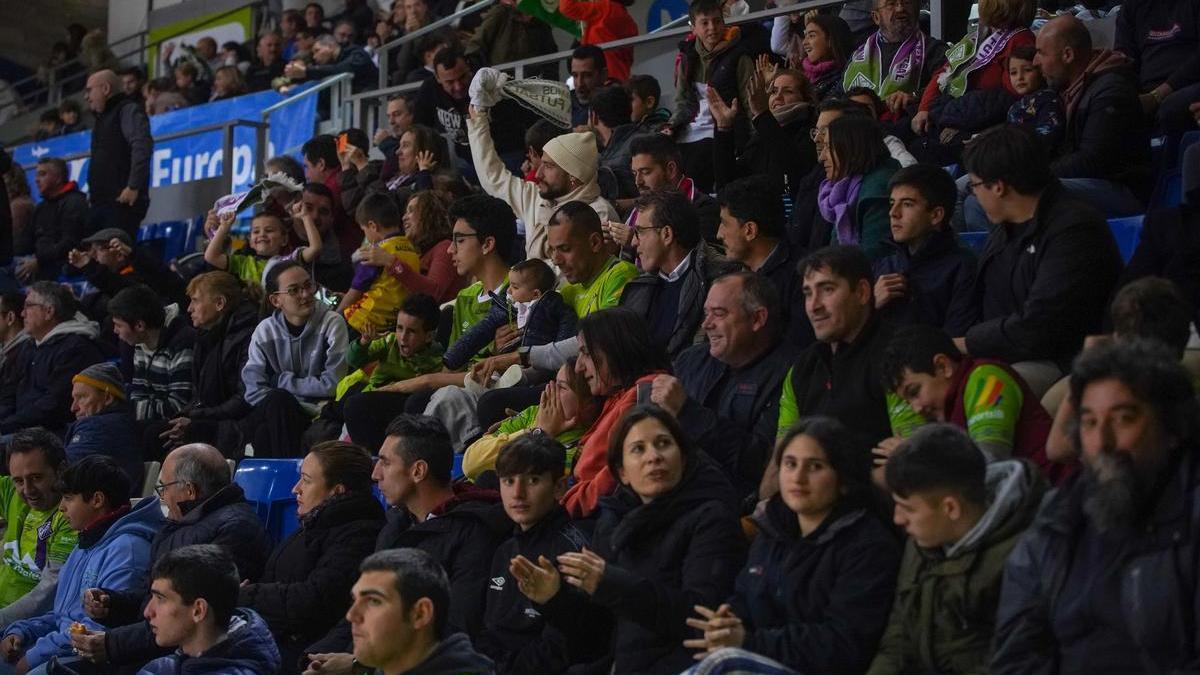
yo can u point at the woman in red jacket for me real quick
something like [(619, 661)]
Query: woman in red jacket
[(619, 360), (972, 91), (604, 21)]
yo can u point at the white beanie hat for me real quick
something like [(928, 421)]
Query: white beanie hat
[(576, 153)]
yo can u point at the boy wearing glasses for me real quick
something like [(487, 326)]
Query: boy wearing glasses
[(296, 357)]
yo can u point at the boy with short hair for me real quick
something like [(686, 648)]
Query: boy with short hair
[(266, 246), (193, 608), (408, 351), (516, 635), (1039, 109), (985, 398), (645, 93), (963, 517), (928, 278), (113, 554), (160, 342), (530, 303), (374, 297)]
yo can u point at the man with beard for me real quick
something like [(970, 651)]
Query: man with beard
[(1106, 579), (897, 61)]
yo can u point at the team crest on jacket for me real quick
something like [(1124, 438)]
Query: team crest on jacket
[(497, 584)]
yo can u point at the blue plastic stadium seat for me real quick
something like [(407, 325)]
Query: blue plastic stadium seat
[(268, 486), (456, 471), (1127, 232), (952, 169), (973, 240)]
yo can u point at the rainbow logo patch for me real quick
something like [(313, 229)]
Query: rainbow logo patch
[(991, 393)]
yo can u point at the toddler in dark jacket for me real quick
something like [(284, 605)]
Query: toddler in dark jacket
[(530, 303), (1039, 110)]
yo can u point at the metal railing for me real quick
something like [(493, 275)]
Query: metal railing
[(386, 49), (339, 95), (364, 104), (226, 127), (53, 90)]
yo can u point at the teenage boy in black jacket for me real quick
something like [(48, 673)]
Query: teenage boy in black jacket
[(516, 632)]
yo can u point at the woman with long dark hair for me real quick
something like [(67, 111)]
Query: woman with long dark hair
[(854, 195)]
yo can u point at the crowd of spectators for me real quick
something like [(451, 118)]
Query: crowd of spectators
[(727, 391)]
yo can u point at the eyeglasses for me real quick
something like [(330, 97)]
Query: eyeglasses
[(818, 132), (459, 237), (160, 488), (639, 229), (295, 291), (972, 186)]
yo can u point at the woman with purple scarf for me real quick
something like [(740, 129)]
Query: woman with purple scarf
[(854, 195)]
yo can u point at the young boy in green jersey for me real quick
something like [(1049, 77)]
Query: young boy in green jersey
[(986, 398)]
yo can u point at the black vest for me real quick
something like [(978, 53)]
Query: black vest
[(108, 170), (722, 72)]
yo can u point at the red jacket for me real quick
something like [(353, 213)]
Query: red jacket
[(593, 480), (604, 21), (992, 76)]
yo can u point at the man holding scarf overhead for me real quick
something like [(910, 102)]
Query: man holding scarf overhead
[(898, 61)]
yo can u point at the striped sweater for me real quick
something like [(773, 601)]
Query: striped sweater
[(162, 378)]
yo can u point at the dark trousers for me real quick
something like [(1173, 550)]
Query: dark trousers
[(698, 163), (123, 216), (275, 425), (367, 415)]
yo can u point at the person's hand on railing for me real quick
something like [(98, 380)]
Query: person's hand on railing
[(295, 70)]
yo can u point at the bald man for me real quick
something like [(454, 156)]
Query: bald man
[(1105, 156), (203, 506), (119, 168)]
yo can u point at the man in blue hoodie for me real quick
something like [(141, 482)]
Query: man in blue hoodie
[(113, 552), (193, 607)]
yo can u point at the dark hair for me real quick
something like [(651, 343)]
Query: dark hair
[(70, 105), (1009, 154), (845, 452), (1153, 307), (1152, 373), (38, 439), (317, 5), (876, 105), (933, 183), (449, 57), (543, 276), (913, 348), (424, 439), (1022, 52), (847, 262), (187, 68), (581, 215), (673, 209), (138, 303), (490, 218), (856, 145), (837, 33), (660, 147), (844, 106), (418, 575), (321, 147), (287, 165), (97, 473), (616, 439), (755, 198), (50, 116), (621, 339), (135, 71), (358, 138), (699, 7), (271, 283), (434, 41), (541, 133), (423, 307), (321, 190), (590, 53), (426, 139), (202, 571), (611, 105), (381, 209), (13, 301), (344, 464), (644, 87), (938, 457), (534, 454)]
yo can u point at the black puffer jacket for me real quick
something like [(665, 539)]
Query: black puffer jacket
[(225, 519), (817, 603), (784, 153), (663, 558), (305, 589)]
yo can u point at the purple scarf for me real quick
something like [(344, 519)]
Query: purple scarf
[(836, 201)]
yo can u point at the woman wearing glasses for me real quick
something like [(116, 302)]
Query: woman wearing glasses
[(297, 355)]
